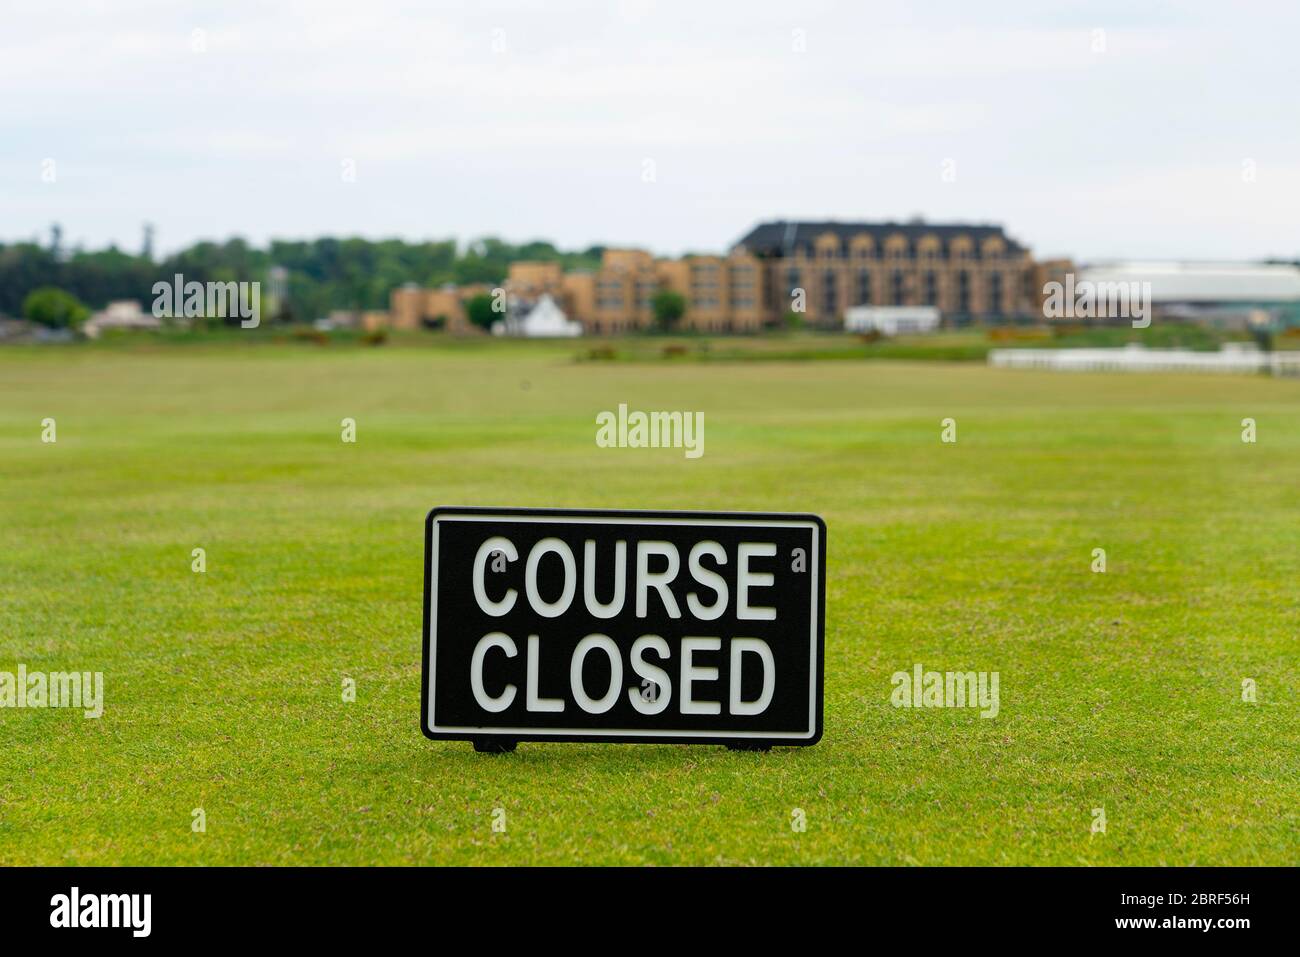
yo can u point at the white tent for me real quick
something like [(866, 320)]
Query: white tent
[(891, 320)]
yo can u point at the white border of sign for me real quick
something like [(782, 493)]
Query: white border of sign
[(578, 516)]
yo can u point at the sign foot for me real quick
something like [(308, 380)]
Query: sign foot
[(494, 745)]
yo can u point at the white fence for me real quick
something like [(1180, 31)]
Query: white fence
[(1139, 359)]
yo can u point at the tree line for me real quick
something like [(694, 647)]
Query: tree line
[(322, 274)]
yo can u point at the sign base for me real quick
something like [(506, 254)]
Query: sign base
[(494, 745)]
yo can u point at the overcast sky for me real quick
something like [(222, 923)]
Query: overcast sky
[(1173, 132)]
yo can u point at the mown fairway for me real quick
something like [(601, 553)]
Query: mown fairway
[(1120, 690)]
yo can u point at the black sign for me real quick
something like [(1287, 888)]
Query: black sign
[(557, 625)]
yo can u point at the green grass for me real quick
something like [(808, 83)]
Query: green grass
[(1120, 690)]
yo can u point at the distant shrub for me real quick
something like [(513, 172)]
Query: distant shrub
[(1017, 334), (376, 337), (479, 310), (669, 307), (1159, 335), (54, 308), (308, 334)]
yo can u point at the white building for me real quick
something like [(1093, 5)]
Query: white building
[(124, 314), (892, 320), (1204, 282), (544, 320), (1226, 293)]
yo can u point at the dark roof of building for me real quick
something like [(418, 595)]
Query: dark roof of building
[(782, 237)]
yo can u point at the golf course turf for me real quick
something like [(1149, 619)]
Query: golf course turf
[(1120, 690)]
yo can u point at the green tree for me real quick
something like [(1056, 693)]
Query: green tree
[(324, 274), (478, 309), (669, 307), (52, 307)]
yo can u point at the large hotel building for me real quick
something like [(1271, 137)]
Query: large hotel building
[(818, 269)]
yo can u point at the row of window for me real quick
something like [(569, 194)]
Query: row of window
[(610, 295), (897, 287), (859, 252)]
